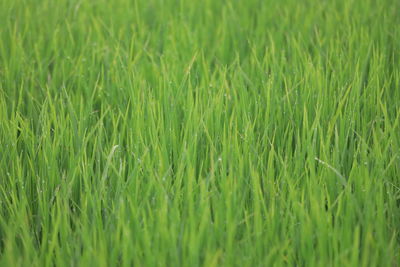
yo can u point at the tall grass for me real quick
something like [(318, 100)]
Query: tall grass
[(199, 133)]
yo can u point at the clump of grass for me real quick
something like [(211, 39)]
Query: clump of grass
[(199, 133)]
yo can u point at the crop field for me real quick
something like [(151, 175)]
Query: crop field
[(199, 133)]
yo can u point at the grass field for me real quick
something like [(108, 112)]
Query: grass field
[(199, 133)]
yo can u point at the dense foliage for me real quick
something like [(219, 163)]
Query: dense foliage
[(199, 133)]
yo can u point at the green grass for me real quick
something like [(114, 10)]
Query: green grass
[(199, 133)]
